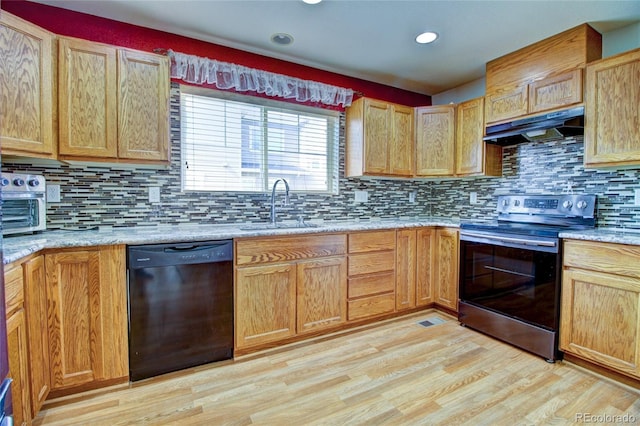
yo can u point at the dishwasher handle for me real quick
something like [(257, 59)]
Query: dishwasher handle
[(159, 255)]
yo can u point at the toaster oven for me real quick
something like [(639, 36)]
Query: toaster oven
[(23, 203)]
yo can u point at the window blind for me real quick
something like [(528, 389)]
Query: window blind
[(231, 145)]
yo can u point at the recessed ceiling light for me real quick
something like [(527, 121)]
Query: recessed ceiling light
[(427, 37), (282, 39), (312, 1)]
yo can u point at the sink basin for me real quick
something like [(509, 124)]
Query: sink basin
[(266, 226)]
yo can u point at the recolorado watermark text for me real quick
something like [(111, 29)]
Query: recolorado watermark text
[(605, 418)]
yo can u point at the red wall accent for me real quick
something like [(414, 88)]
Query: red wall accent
[(89, 27)]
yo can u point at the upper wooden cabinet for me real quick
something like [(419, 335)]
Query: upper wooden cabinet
[(435, 140), (113, 103), (379, 139), (612, 111), (543, 76), (27, 114), (87, 99), (449, 141)]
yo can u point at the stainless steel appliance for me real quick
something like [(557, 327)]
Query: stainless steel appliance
[(510, 269), (23, 203), (180, 306)]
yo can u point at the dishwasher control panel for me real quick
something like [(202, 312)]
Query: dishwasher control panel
[(158, 255)]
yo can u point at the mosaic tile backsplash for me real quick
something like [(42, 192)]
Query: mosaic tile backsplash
[(117, 196)]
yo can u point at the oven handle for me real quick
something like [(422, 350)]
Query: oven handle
[(540, 243)]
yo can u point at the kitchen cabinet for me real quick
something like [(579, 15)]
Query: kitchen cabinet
[(406, 262), (27, 111), (380, 139), (17, 344), (600, 303), (36, 311), (449, 141), (371, 274), (473, 156), (288, 286), (113, 103), (87, 321), (542, 76), (446, 268), (435, 140), (425, 265), (612, 111)]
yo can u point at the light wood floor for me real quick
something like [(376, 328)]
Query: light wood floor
[(396, 373)]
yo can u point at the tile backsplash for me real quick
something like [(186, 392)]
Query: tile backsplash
[(114, 195)]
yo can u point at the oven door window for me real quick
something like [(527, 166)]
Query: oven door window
[(517, 282), (19, 214)]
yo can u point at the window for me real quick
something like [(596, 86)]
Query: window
[(237, 143)]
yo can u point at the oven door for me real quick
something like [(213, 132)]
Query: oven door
[(512, 275)]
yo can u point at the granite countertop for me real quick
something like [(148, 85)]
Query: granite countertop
[(606, 235), (17, 247)]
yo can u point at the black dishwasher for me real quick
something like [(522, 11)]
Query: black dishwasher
[(180, 306)]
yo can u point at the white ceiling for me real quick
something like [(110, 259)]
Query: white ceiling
[(372, 39)]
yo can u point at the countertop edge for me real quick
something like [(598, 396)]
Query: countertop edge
[(16, 248)]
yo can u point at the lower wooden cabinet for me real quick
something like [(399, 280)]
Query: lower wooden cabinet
[(265, 304), (446, 268), (35, 304), (406, 261), (288, 286), (599, 316), (86, 293), (19, 368), (371, 274)]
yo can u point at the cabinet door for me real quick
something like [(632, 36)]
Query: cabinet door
[(402, 142), (406, 269), (557, 91), (376, 137), (435, 140), (612, 112), (143, 114), (470, 152), (599, 319), (505, 103), (446, 273), (75, 326), (19, 368), (26, 70), (265, 304), (321, 294), (36, 309), (425, 259), (87, 99)]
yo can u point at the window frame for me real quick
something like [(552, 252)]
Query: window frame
[(333, 151)]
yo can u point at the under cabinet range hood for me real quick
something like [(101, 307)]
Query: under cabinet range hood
[(557, 124)]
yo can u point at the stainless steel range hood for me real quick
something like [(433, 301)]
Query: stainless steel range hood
[(569, 122)]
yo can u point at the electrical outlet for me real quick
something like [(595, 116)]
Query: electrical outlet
[(53, 193), (473, 198), (412, 196), (636, 197), (154, 194), (361, 196)]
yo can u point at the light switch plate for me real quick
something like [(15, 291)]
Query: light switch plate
[(361, 196), (636, 197), (154, 194), (473, 198), (412, 196), (53, 193)]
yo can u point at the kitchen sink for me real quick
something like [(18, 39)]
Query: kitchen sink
[(266, 226)]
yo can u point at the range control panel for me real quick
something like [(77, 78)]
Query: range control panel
[(568, 205)]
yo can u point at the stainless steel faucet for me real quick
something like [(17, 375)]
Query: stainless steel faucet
[(273, 198)]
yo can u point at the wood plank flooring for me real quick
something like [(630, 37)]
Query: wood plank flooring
[(396, 373)]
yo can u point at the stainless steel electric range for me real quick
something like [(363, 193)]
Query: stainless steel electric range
[(510, 269)]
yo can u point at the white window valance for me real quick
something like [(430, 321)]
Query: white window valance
[(224, 75)]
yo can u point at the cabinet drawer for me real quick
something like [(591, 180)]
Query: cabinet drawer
[(266, 250), (372, 241), (618, 259), (371, 306), (371, 263), (371, 284), (13, 289)]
